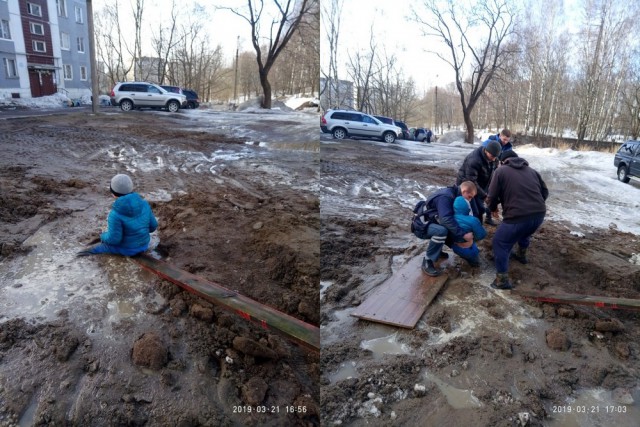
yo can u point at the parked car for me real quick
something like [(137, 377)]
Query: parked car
[(131, 95), (193, 101), (405, 130), (627, 160), (344, 124), (192, 97), (422, 134), (387, 120)]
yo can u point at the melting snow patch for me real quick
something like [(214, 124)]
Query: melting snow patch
[(577, 234), (635, 259)]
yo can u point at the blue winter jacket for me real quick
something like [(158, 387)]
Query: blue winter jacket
[(440, 210), (496, 137), (130, 222), (467, 222)]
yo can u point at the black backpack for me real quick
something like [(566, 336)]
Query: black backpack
[(420, 221)]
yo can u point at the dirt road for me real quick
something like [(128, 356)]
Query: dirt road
[(478, 356), (97, 341)]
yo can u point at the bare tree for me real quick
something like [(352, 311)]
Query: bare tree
[(330, 92), (281, 27), (137, 10), (111, 47), (164, 42), (475, 39)]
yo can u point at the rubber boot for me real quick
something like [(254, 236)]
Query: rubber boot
[(502, 282), (429, 268), (520, 255)]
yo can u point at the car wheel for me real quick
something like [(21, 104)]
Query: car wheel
[(389, 137), (173, 106), (126, 105), (191, 105), (623, 173), (339, 133)]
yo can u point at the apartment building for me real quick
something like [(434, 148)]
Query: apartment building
[(44, 48)]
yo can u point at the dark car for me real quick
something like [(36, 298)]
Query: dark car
[(627, 160), (192, 98), (405, 129), (387, 120)]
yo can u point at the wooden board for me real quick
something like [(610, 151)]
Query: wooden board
[(597, 301), (265, 316), (402, 299)]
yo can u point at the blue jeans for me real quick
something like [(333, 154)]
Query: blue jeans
[(103, 248), (507, 235)]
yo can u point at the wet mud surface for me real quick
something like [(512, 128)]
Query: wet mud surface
[(97, 340), (477, 356)]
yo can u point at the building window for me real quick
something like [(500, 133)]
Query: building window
[(10, 69), (4, 30), (65, 41), (36, 28), (79, 18), (39, 46), (68, 72), (62, 7), (80, 44), (34, 9), (83, 72)]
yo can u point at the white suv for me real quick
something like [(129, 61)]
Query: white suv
[(343, 124), (130, 95)]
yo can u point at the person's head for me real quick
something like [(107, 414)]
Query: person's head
[(507, 155), (492, 150), (461, 206), (121, 185), (505, 136), (468, 190)]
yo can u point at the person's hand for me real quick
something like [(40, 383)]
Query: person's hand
[(468, 236), (464, 244), (495, 214)]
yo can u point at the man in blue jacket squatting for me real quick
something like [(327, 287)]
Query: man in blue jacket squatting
[(129, 223), (440, 227)]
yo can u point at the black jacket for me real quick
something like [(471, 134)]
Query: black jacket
[(519, 189), (440, 210), (478, 169)]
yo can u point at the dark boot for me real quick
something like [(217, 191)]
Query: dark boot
[(443, 255), (489, 221), (520, 255), (429, 268), (502, 282)]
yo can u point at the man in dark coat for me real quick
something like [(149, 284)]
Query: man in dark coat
[(441, 227), (522, 193), (478, 167)]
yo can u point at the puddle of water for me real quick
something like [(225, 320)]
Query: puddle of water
[(26, 420), (457, 398), (594, 408), (347, 370), (387, 345), (324, 285)]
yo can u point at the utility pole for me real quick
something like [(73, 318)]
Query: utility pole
[(235, 81), (95, 92)]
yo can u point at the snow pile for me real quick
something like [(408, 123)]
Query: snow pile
[(56, 100), (299, 103), (635, 259), (253, 106), (452, 136)]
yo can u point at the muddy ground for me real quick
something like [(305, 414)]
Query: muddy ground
[(97, 341), (478, 356)]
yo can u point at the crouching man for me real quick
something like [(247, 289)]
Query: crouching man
[(435, 221)]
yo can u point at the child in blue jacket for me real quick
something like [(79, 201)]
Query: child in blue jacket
[(129, 223), (467, 222)]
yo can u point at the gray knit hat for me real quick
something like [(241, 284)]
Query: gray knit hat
[(494, 148), (121, 185)]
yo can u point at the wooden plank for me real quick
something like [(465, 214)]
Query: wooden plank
[(265, 316), (402, 299), (597, 301)]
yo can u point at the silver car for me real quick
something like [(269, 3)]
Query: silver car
[(131, 95), (344, 124)]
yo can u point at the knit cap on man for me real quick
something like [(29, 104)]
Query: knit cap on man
[(494, 148), (121, 185)]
